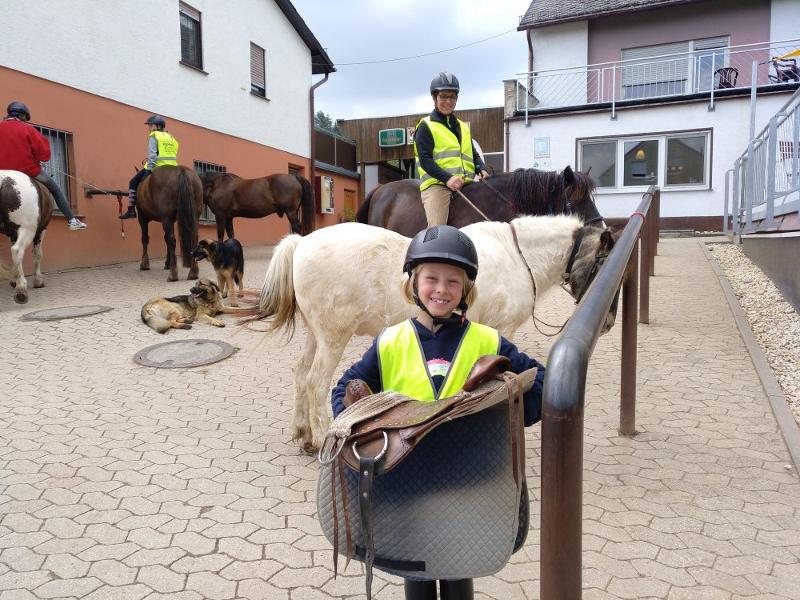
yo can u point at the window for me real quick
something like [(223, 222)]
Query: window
[(675, 68), (200, 168), (258, 77), (58, 165), (600, 159), (668, 160), (640, 163), (191, 40), (686, 160), (495, 162)]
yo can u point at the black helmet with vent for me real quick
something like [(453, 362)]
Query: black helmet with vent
[(442, 244), (19, 110), (157, 121), (444, 81)]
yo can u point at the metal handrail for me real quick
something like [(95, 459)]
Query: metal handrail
[(563, 403)]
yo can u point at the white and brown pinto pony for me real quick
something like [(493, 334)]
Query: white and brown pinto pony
[(25, 210), (346, 280)]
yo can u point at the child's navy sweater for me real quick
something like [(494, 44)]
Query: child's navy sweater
[(439, 349)]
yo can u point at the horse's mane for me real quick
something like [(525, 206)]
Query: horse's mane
[(535, 192)]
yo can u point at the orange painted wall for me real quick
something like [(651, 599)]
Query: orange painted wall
[(109, 139)]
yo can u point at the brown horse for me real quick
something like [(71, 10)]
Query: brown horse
[(397, 205), (229, 196), (170, 194)]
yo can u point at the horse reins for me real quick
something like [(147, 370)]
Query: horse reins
[(468, 201), (565, 276)]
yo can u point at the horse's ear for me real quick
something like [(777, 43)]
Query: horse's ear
[(589, 170), (569, 175), (607, 240)]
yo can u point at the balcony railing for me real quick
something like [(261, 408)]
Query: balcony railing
[(704, 71)]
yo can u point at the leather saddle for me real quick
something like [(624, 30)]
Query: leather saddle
[(466, 441)]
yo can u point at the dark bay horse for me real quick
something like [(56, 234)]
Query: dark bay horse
[(170, 194), (397, 205), (25, 210), (229, 196)]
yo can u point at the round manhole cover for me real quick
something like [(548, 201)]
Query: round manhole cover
[(65, 312), (184, 354)]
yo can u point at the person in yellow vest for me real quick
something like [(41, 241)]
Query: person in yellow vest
[(430, 356), (162, 149), (446, 158)]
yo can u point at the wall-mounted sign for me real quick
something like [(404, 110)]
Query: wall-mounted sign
[(541, 147), (389, 138), (410, 131)]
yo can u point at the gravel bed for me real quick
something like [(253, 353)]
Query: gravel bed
[(773, 320)]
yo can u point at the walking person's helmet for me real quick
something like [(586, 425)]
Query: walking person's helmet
[(445, 81), (156, 120)]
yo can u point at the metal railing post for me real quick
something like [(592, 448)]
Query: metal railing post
[(713, 69), (749, 187), (736, 208), (727, 201), (645, 247), (796, 149), (613, 92), (627, 404), (772, 152)]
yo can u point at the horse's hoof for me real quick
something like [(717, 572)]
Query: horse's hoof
[(172, 277), (144, 267), (21, 297), (166, 267), (309, 448), (38, 284)]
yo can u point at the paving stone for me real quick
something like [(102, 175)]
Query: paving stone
[(161, 579), (211, 586), (66, 566), (113, 572), (60, 588)]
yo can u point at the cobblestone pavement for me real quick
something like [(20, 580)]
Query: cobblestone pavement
[(124, 482)]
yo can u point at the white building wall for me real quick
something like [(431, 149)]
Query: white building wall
[(784, 20), (730, 123), (560, 47), (130, 52)]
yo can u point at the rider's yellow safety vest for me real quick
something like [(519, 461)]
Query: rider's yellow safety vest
[(403, 367), (167, 148), (455, 159)]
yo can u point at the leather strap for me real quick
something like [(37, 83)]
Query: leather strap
[(366, 475)]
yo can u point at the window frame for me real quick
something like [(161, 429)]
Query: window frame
[(64, 178), (185, 10), (256, 90), (661, 178), (201, 167)]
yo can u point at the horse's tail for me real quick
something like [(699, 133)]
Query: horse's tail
[(187, 218), (277, 294), (362, 216), (307, 206)]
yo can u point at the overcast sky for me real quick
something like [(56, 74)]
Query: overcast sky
[(367, 30)]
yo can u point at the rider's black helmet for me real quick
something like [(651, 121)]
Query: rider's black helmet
[(19, 110), (442, 244), (444, 81), (157, 121)]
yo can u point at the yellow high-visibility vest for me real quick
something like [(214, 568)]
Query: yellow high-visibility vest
[(167, 148), (402, 362), (455, 159)]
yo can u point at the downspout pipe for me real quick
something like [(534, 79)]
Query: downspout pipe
[(312, 171)]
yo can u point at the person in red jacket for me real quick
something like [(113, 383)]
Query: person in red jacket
[(23, 148)]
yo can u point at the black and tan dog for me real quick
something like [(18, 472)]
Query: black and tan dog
[(178, 312), (227, 259)]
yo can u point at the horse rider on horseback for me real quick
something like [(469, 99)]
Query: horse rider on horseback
[(162, 149), (23, 148), (446, 157), (431, 356)]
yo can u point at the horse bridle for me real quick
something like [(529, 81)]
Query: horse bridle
[(566, 277)]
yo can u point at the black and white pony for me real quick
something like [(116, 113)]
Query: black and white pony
[(25, 210)]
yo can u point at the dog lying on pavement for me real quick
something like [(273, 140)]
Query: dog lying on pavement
[(227, 259), (179, 312)]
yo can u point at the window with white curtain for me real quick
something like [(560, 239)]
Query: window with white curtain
[(58, 166)]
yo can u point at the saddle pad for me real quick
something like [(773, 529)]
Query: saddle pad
[(450, 510)]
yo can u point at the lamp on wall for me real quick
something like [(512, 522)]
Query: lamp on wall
[(639, 164)]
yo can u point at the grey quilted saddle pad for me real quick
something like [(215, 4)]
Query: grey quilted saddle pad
[(450, 510)]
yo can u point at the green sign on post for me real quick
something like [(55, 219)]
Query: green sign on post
[(388, 138)]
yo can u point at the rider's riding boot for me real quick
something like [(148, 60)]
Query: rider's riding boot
[(419, 590), (131, 214), (459, 589)]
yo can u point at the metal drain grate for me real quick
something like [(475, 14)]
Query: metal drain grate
[(184, 354), (65, 312)]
